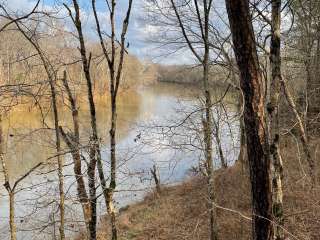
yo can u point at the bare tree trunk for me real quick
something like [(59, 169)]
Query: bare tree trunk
[(224, 163), (209, 168), (208, 124), (242, 157), (208, 155), (254, 117), (10, 190), (273, 123), (94, 150), (115, 74), (13, 231), (58, 149), (113, 166), (153, 171), (51, 74), (73, 143), (51, 77), (243, 144)]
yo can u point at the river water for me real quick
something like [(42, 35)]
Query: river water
[(157, 125)]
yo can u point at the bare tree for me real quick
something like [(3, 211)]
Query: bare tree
[(95, 155), (11, 188), (51, 74), (305, 41), (308, 25), (115, 74), (254, 116), (156, 179), (73, 142), (203, 24), (273, 121)]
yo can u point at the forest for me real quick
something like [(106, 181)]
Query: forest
[(159, 119)]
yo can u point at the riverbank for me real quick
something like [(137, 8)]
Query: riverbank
[(179, 212)]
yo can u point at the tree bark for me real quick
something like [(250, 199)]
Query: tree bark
[(273, 121), (73, 142), (58, 149), (223, 160), (254, 117), (13, 230), (242, 157), (94, 140), (153, 171), (115, 74), (208, 124)]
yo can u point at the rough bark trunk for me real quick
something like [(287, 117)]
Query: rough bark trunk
[(94, 140), (242, 157), (254, 117), (243, 153), (273, 121)]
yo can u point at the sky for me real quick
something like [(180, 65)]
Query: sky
[(138, 33)]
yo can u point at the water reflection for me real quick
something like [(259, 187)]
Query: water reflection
[(29, 138), (143, 117)]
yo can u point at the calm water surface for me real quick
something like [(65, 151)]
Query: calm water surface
[(155, 127)]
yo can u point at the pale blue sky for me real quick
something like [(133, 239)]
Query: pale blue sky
[(138, 32)]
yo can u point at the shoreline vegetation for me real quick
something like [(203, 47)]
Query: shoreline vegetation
[(179, 212)]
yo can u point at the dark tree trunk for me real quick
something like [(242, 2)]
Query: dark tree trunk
[(254, 116), (156, 179), (94, 151)]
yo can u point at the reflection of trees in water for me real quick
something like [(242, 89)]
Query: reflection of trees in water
[(28, 141), (160, 104), (173, 135)]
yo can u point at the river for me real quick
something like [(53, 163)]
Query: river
[(157, 125)]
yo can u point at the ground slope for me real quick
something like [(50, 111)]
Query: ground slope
[(180, 211)]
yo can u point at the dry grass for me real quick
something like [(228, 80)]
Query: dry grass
[(180, 212)]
